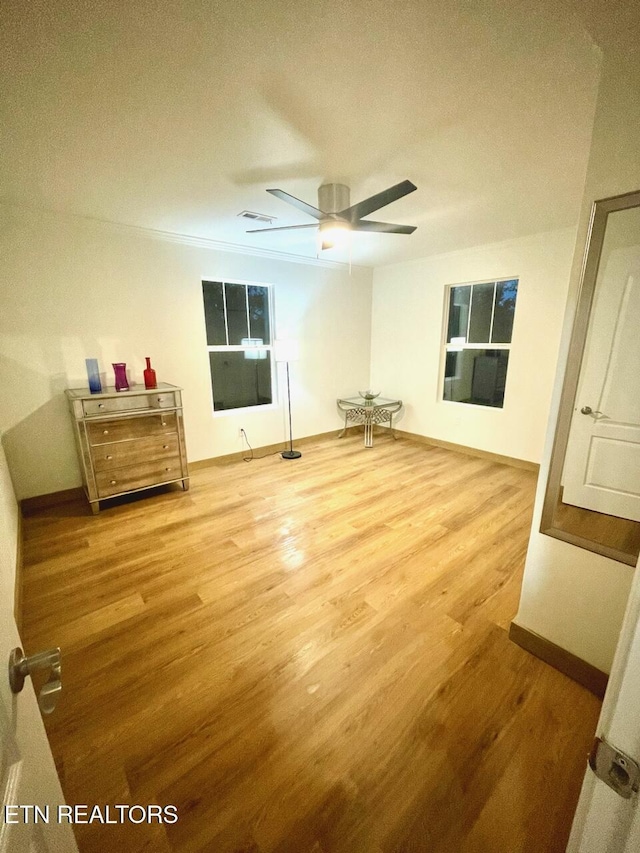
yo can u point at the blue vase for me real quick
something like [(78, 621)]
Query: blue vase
[(93, 372)]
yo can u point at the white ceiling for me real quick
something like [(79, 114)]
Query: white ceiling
[(177, 116)]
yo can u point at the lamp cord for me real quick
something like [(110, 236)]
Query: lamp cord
[(253, 456)]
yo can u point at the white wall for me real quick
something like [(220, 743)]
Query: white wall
[(408, 310), (8, 534), (73, 289), (572, 597)]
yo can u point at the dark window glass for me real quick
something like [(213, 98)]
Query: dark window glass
[(259, 313), (458, 312), (476, 376), (239, 381), (481, 307), (236, 313), (506, 293), (450, 365), (233, 313), (212, 293)]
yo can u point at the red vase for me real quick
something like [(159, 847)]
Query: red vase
[(149, 375)]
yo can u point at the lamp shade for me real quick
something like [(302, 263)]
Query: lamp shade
[(286, 350)]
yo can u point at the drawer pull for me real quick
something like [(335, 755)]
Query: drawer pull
[(108, 457), (159, 399), (164, 423), (101, 405), (165, 446), (167, 469), (105, 432), (113, 482)]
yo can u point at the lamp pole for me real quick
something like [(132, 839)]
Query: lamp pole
[(290, 453)]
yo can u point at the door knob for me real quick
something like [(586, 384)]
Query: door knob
[(20, 667), (587, 410)]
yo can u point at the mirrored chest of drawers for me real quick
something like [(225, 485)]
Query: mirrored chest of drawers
[(128, 440)]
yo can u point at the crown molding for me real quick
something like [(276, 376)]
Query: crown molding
[(174, 237), (483, 248)]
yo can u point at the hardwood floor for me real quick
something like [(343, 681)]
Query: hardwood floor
[(308, 656), (619, 533)]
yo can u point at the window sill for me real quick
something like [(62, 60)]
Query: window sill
[(225, 413), (473, 405)]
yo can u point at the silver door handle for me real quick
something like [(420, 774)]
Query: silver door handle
[(587, 410), (20, 667)]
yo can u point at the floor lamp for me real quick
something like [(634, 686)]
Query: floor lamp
[(286, 351)]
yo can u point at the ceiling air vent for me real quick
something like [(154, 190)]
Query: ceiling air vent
[(257, 217)]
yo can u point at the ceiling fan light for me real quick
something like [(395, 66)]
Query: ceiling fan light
[(333, 232)]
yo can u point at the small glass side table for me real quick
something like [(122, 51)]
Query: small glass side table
[(358, 410)]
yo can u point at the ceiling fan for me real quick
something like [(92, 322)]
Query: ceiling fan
[(335, 215)]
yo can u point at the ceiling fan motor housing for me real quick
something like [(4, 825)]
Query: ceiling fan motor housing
[(332, 198)]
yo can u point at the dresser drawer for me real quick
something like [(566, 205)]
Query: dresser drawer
[(138, 476), (109, 456), (122, 429), (128, 402)]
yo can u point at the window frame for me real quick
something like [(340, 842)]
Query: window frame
[(220, 413), (447, 347)]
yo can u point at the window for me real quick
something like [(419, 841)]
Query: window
[(478, 339), (238, 322)]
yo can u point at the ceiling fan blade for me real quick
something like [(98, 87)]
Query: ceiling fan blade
[(375, 202), (296, 202), (384, 227), (281, 228)]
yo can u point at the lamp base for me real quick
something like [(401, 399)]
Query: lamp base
[(291, 454)]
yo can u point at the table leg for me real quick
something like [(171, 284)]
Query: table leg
[(344, 428), (368, 432), (393, 432)]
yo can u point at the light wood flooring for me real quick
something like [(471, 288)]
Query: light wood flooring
[(308, 656)]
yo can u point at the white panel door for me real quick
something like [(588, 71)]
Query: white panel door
[(27, 773), (602, 464), (604, 821)]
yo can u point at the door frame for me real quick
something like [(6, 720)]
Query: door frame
[(588, 278)]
